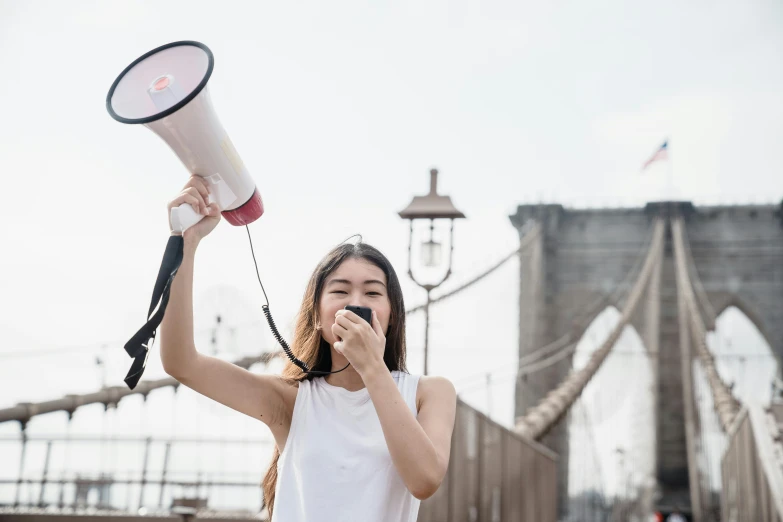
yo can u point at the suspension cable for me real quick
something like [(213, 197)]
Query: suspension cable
[(566, 344), (725, 403), (526, 241), (706, 306), (540, 419)]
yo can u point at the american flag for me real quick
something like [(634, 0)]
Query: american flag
[(660, 154)]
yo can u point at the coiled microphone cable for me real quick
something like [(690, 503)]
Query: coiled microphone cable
[(287, 349)]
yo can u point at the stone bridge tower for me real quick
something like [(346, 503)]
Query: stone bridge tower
[(583, 255)]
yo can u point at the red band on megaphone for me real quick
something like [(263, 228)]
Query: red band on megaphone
[(247, 212)]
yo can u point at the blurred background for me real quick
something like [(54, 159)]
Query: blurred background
[(540, 118)]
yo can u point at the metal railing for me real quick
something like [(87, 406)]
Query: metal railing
[(132, 474)]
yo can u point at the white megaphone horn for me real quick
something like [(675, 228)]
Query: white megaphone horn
[(166, 90)]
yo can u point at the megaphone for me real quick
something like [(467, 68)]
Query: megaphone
[(166, 91)]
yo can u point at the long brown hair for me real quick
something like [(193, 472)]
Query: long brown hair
[(310, 347)]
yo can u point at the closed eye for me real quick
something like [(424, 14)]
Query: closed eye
[(339, 292), (373, 293)]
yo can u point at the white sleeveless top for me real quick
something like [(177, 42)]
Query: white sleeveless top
[(335, 465)]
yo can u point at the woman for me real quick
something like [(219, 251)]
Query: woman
[(366, 443)]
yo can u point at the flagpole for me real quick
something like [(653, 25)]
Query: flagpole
[(672, 191), (669, 192)]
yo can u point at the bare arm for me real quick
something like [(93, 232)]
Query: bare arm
[(264, 397), (177, 346), (259, 396), (420, 447)]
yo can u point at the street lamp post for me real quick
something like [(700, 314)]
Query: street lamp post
[(432, 206)]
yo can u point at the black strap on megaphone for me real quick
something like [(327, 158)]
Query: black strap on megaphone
[(138, 347)]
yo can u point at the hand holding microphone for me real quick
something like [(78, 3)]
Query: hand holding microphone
[(361, 341)]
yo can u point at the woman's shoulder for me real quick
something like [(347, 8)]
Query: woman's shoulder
[(434, 387), (436, 384)]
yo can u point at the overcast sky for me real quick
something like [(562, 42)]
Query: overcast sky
[(339, 110)]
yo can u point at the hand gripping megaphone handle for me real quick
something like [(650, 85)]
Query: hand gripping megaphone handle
[(183, 217)]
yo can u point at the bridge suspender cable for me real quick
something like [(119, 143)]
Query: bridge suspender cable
[(540, 419), (725, 403), (708, 312), (565, 345)]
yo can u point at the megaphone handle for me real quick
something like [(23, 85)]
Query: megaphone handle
[(183, 217)]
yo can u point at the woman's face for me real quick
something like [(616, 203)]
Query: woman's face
[(355, 282)]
